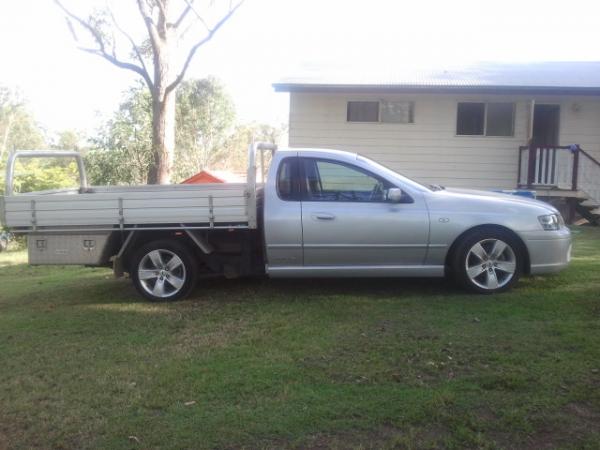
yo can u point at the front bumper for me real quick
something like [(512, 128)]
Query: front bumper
[(549, 251)]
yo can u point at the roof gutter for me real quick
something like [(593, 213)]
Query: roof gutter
[(432, 89)]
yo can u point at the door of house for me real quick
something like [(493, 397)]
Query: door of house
[(546, 121)]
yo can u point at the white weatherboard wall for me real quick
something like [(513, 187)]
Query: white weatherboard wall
[(428, 150)]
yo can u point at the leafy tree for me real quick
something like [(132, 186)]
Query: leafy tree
[(234, 155), (18, 129), (153, 59), (69, 140), (206, 137), (39, 174), (123, 153), (205, 115)]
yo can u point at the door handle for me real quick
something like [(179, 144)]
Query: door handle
[(323, 216)]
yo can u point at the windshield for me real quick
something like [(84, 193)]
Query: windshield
[(380, 168)]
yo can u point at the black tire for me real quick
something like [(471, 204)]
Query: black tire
[(187, 271), (490, 266)]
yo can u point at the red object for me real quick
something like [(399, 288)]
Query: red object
[(203, 177)]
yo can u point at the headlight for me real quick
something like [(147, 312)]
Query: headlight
[(551, 222)]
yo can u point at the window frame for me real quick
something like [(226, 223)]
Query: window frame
[(485, 121), (412, 104), (296, 179), (304, 195), (362, 121)]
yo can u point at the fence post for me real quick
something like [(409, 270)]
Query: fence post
[(574, 179), (531, 165)]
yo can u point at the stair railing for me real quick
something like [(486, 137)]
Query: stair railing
[(586, 175)]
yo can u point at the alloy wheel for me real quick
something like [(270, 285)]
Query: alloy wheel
[(491, 264), (161, 273)]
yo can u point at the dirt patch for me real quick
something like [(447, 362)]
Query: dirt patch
[(381, 438), (385, 437), (222, 335), (575, 423), (585, 413), (3, 441)]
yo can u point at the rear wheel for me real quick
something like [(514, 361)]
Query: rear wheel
[(488, 261), (164, 271)]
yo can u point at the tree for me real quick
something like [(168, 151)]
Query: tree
[(123, 149), (206, 136), (18, 129), (205, 115), (39, 174), (154, 61), (234, 156), (69, 140)]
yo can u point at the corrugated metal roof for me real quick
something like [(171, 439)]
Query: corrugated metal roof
[(581, 77)]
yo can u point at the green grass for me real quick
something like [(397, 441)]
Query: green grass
[(85, 363)]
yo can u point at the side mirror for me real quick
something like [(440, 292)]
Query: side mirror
[(394, 195)]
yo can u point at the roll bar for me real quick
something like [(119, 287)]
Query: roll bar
[(10, 165), (253, 149)]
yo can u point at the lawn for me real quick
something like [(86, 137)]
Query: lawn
[(85, 363)]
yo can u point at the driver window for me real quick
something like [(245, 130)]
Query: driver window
[(332, 181)]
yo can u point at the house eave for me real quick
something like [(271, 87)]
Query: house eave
[(431, 89)]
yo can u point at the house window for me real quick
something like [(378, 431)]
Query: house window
[(500, 119), (381, 111), (363, 112), (485, 119), (396, 112), (470, 119)]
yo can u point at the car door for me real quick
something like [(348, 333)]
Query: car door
[(347, 221), (282, 215)]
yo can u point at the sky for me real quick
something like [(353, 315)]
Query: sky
[(267, 40)]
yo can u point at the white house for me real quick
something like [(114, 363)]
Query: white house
[(462, 127)]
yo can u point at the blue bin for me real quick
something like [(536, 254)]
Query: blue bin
[(520, 192)]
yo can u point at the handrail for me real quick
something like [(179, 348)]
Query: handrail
[(588, 175), (558, 147), (589, 156), (10, 165), (544, 164)]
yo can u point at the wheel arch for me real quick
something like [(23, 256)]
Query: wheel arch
[(522, 247), (142, 237)]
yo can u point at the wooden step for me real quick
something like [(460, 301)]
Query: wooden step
[(589, 214)]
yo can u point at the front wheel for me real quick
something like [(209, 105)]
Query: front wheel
[(488, 262), (164, 271)]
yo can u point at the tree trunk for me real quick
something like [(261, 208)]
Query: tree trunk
[(163, 137), (163, 107)]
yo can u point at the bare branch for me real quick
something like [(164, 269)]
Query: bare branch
[(101, 50), (161, 6), (199, 44), (197, 14), (96, 35), (161, 22), (183, 15), (113, 60), (136, 50), (150, 25)]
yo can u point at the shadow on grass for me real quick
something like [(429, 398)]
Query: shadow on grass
[(260, 288)]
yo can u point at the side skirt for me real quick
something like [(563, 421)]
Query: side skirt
[(355, 271)]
